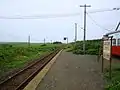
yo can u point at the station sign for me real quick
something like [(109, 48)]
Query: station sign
[(107, 49)]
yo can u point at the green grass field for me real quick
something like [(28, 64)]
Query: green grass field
[(16, 55), (114, 83)]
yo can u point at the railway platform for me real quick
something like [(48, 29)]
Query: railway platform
[(69, 72)]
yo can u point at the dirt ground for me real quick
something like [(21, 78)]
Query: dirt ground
[(73, 72)]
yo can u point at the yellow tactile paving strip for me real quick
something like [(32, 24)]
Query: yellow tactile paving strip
[(36, 80)]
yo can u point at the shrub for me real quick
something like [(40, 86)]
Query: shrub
[(78, 51), (92, 51), (43, 45), (57, 42), (92, 47)]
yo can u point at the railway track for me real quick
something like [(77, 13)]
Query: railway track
[(19, 80)]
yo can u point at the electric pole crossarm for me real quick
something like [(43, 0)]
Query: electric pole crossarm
[(85, 5)]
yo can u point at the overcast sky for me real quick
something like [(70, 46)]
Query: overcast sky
[(55, 28)]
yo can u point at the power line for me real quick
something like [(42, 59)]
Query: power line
[(54, 15), (40, 16), (103, 10), (97, 23)]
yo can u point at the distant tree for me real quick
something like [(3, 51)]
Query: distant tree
[(57, 42)]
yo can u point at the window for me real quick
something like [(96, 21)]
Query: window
[(118, 43), (114, 42)]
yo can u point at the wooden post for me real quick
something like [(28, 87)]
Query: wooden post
[(102, 56), (100, 51), (110, 68)]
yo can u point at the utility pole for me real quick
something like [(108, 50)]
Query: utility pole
[(84, 38), (51, 41), (29, 40), (44, 41), (75, 32), (67, 40)]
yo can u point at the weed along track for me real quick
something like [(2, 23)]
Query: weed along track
[(19, 80)]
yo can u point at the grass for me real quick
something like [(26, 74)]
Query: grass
[(68, 48), (14, 56), (114, 83)]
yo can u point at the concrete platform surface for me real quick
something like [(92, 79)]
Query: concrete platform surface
[(73, 72)]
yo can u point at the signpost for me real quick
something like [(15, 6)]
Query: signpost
[(107, 50), (66, 38)]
